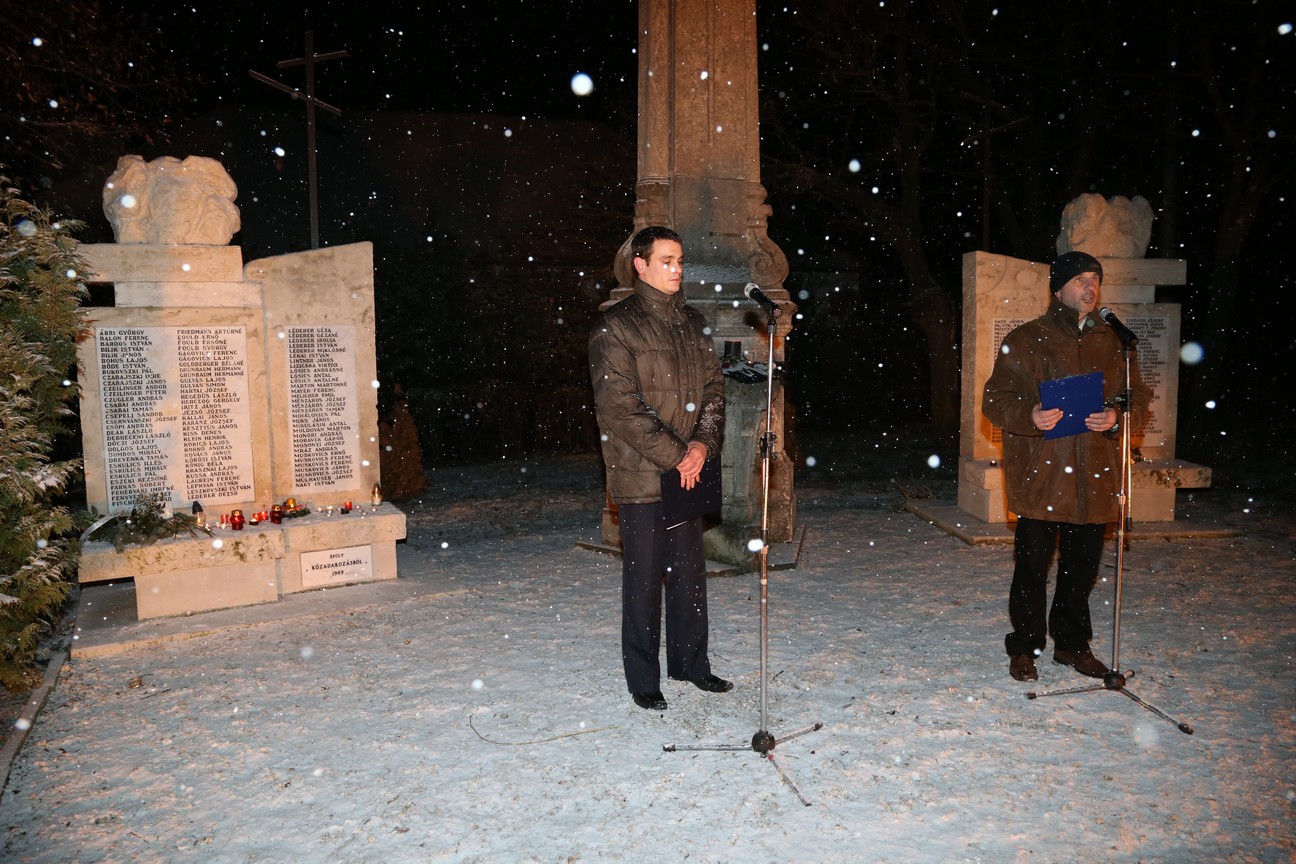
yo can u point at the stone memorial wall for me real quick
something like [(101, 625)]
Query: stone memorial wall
[(237, 388)]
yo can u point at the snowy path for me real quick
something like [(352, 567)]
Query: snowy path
[(491, 723)]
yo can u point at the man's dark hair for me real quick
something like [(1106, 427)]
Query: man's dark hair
[(641, 245)]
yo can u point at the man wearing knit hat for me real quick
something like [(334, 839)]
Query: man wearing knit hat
[(1064, 490)]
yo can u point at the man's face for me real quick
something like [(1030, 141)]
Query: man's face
[(664, 269), (1080, 294)]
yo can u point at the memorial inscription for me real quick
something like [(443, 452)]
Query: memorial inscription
[(175, 414), (323, 411), (1155, 353)]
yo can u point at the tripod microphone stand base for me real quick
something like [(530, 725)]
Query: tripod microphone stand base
[(763, 743), (1115, 680)]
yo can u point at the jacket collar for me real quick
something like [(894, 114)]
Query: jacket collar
[(1065, 319), (657, 299)]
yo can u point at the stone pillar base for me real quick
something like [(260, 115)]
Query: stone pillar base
[(1152, 499)]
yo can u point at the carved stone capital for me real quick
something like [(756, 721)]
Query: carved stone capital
[(765, 260)]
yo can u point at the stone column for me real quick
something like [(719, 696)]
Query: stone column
[(699, 173)]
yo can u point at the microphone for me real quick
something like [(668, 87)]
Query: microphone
[(754, 293), (1126, 335)]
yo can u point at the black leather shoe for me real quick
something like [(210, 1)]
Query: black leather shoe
[(1022, 668), (1083, 662), (650, 701), (712, 684)]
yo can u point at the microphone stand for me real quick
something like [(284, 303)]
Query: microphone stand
[(763, 742), (1115, 679)]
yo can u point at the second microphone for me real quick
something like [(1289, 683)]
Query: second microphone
[(753, 292)]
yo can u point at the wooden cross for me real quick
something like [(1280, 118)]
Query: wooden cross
[(308, 59)]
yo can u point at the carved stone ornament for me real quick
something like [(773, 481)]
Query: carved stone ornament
[(1117, 227), (171, 202), (766, 262)]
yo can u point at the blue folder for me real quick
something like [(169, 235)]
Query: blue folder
[(1077, 395)]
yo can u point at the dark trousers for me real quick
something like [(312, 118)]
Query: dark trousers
[(1079, 549), (652, 555)]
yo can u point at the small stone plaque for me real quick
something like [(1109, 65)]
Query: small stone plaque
[(335, 566)]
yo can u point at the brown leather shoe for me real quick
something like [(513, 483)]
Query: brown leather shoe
[(1083, 662), (1022, 668)]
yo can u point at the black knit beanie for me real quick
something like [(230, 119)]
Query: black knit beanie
[(1070, 265)]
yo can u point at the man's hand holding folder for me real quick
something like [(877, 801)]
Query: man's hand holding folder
[(1071, 405)]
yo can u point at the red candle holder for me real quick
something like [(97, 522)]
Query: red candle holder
[(236, 520)]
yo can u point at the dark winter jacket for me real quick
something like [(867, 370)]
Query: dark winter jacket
[(1074, 479), (657, 387)]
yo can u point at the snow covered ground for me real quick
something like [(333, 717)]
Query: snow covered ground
[(487, 721)]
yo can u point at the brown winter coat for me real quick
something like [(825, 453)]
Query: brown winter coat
[(657, 387), (1074, 479)]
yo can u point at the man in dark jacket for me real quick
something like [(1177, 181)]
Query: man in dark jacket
[(1063, 490), (659, 395)]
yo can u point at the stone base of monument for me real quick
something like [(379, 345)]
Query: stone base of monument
[(782, 556), (954, 520), (260, 564), (1152, 499)]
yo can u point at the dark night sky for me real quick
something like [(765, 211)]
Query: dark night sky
[(509, 56), (517, 58)]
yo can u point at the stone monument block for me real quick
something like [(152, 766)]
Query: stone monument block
[(147, 264), (171, 201), (185, 574), (997, 291), (165, 276), (324, 550), (323, 374)]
